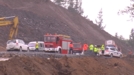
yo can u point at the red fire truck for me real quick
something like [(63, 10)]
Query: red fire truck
[(57, 43), (77, 48)]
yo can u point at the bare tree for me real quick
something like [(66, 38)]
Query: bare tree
[(128, 10)]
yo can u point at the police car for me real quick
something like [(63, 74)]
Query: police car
[(112, 51)]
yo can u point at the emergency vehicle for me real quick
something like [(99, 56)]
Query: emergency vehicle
[(110, 43), (57, 42), (77, 48)]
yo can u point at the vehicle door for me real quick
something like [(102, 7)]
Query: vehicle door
[(41, 46), (23, 45), (113, 51), (118, 53)]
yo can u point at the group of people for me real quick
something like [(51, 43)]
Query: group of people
[(94, 49)]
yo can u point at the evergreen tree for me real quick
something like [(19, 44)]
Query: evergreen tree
[(99, 22), (116, 35), (74, 6)]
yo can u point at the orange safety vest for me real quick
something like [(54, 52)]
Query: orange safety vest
[(71, 45), (85, 46)]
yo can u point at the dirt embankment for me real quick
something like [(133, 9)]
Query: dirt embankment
[(67, 66)]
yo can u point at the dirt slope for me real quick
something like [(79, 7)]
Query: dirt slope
[(39, 17), (66, 66)]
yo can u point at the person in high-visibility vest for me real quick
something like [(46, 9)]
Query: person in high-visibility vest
[(91, 49), (37, 46), (102, 49), (95, 50), (85, 47), (71, 48)]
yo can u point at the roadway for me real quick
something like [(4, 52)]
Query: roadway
[(41, 54)]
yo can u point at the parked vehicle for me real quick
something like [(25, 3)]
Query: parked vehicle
[(110, 43), (77, 48), (57, 43), (16, 44), (31, 46), (112, 51)]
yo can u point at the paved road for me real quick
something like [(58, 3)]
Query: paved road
[(42, 54)]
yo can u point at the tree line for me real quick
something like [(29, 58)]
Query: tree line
[(74, 6), (129, 10)]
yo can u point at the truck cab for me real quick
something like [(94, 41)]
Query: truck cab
[(77, 48), (57, 43)]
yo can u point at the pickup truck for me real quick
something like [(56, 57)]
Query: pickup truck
[(77, 48)]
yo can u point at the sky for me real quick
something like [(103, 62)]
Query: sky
[(114, 22)]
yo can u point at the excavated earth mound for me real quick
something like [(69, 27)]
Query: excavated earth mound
[(38, 17), (67, 66)]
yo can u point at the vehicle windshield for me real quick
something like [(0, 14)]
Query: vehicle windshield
[(77, 45), (31, 44), (11, 41), (50, 39), (106, 48), (110, 46)]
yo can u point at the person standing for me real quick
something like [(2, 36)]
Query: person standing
[(71, 48), (102, 49), (95, 50), (37, 46), (91, 48), (85, 47)]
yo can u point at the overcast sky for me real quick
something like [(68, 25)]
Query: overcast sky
[(114, 22)]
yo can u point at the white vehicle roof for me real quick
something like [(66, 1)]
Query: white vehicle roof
[(35, 42), (111, 47)]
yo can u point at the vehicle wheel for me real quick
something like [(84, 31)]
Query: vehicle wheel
[(20, 49), (28, 49), (120, 56), (111, 55), (59, 51)]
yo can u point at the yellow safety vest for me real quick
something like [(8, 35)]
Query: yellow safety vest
[(102, 47), (37, 45), (91, 47), (95, 49)]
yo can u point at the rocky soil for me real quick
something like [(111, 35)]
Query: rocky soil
[(67, 66), (37, 18)]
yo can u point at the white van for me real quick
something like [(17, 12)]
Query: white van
[(31, 46)]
